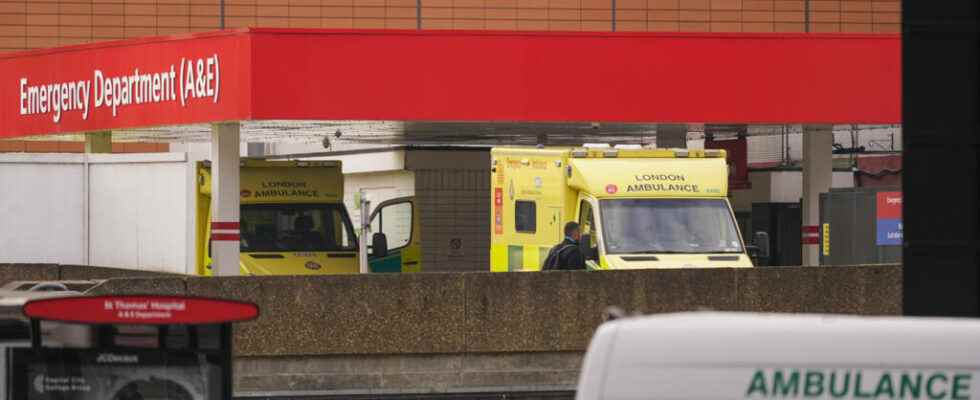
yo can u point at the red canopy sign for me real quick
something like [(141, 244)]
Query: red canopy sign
[(137, 83), (141, 310)]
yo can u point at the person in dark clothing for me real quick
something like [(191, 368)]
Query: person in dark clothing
[(566, 255)]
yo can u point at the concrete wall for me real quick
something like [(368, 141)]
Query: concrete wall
[(428, 373), (55, 272), (453, 192), (521, 312), (780, 187), (470, 332), (482, 331)]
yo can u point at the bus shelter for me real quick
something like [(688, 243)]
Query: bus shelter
[(244, 79), (126, 347)]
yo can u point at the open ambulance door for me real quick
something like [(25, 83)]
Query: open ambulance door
[(396, 223), (590, 231)]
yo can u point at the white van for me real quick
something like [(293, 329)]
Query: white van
[(709, 355)]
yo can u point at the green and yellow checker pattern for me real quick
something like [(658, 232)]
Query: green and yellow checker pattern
[(510, 258)]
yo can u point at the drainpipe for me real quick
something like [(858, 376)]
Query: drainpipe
[(806, 15), (614, 15)]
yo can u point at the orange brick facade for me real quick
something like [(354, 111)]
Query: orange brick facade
[(28, 146), (30, 24)]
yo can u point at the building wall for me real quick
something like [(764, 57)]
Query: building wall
[(780, 187), (379, 186), (773, 149), (879, 171), (41, 223), (453, 192), (125, 211), (787, 186), (140, 213), (38, 146), (30, 24)]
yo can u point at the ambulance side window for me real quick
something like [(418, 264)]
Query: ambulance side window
[(586, 221), (395, 221), (525, 216)]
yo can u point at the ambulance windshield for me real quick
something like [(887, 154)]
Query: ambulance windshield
[(665, 226), (295, 227)]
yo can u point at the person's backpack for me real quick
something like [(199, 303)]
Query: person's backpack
[(552, 260)]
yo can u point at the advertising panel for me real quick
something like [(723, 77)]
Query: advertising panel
[(73, 374)]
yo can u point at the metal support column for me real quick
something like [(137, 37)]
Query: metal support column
[(818, 142), (225, 234)]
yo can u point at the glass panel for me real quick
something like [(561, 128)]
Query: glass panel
[(342, 231), (587, 221), (525, 216), (669, 226), (395, 221), (295, 227)]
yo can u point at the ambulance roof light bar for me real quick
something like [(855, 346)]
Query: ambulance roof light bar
[(714, 153), (583, 152)]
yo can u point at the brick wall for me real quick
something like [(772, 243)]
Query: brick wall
[(367, 14), (37, 146), (452, 189), (29, 24), (455, 205)]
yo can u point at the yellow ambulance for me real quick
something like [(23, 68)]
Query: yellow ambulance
[(293, 222), (638, 208)]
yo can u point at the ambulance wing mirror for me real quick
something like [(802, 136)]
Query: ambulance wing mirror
[(759, 249), (379, 245), (761, 240)]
